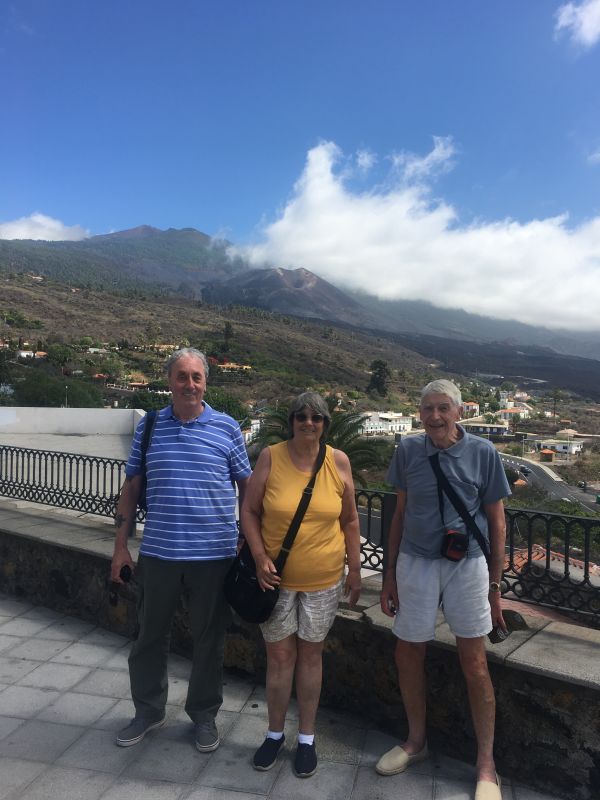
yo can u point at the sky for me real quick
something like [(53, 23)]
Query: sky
[(413, 149)]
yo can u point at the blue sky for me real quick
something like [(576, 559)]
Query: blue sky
[(454, 141)]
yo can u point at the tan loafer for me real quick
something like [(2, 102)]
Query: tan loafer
[(397, 760), (487, 790)]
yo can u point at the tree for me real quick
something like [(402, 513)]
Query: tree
[(227, 336), (380, 374), (344, 433), (221, 400), (39, 389)]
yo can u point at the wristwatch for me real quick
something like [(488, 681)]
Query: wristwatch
[(494, 586)]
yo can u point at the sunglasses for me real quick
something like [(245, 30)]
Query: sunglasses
[(300, 416)]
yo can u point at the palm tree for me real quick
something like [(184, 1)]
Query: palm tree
[(344, 433)]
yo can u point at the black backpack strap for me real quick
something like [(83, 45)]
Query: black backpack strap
[(149, 424), (300, 512), (470, 524)]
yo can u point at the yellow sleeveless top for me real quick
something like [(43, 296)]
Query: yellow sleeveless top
[(316, 560)]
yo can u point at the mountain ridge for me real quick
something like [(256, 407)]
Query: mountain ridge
[(193, 264)]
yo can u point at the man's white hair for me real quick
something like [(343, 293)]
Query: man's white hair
[(443, 386)]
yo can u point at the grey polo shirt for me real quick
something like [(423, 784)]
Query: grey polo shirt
[(473, 468)]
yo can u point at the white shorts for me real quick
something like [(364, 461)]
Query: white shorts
[(309, 614), (459, 588)]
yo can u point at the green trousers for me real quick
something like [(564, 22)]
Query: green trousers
[(160, 586)]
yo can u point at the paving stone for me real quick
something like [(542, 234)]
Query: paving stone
[(77, 709), (178, 689), (180, 726), (87, 655), (375, 745), (230, 767), (119, 659), (236, 693), (10, 607), (117, 717), (19, 626), (102, 637), (25, 701), (209, 793), (96, 750), (257, 704), (14, 669), (54, 676), (16, 773), (451, 789), (331, 781), (148, 790), (67, 629), (67, 784), (35, 649), (8, 642), (43, 614), (408, 785), (447, 767), (108, 683), (179, 667), (8, 725), (167, 759), (39, 741), (337, 741)]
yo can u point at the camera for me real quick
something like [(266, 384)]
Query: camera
[(455, 545), (125, 575), (514, 622)]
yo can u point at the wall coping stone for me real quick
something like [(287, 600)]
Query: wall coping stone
[(557, 650)]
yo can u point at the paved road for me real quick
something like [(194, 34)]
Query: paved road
[(546, 479)]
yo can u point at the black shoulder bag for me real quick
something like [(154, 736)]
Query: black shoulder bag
[(241, 586), (456, 544), (149, 424)]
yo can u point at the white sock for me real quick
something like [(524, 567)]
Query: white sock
[(306, 738), (274, 734)]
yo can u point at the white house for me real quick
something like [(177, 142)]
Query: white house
[(385, 423), (470, 408)]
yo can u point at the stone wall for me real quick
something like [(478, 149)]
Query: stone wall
[(547, 733)]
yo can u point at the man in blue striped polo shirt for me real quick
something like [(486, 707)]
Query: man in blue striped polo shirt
[(195, 459)]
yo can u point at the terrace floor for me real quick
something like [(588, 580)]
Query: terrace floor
[(64, 692)]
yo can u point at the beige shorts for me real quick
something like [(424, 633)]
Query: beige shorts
[(309, 614)]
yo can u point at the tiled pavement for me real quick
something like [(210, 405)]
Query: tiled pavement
[(64, 692)]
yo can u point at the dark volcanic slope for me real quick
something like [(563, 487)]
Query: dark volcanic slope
[(289, 291), (526, 366)]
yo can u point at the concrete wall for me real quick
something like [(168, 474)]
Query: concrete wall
[(69, 421)]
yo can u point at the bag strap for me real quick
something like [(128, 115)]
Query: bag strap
[(445, 486), (149, 424), (300, 512)]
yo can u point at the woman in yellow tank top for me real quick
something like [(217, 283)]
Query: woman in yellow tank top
[(312, 578)]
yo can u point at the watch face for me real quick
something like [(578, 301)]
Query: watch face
[(494, 587)]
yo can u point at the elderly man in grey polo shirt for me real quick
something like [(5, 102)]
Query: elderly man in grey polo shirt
[(419, 579)]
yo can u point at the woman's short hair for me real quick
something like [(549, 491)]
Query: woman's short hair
[(185, 351), (443, 386), (312, 401)]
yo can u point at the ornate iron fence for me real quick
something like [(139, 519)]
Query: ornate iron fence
[(551, 559)]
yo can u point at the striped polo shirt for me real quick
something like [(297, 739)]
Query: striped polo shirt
[(190, 468)]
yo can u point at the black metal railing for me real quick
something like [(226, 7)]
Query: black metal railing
[(551, 559)]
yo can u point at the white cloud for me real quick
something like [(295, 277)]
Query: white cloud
[(39, 226), (417, 168), (365, 160), (396, 242), (581, 22), (594, 158)]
